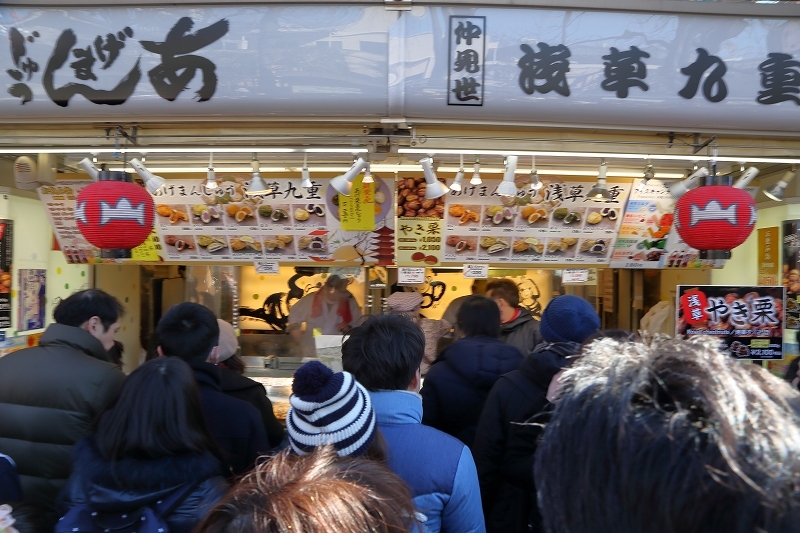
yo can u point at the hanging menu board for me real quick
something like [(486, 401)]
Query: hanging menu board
[(290, 223), (648, 238), (556, 224), (59, 202)]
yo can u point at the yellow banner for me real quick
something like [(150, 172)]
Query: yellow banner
[(148, 250), (418, 241), (768, 256), (357, 211)]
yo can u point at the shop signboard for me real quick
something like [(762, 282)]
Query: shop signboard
[(648, 238), (289, 224), (6, 258), (768, 250), (420, 231), (556, 224), (747, 321), (31, 299), (623, 68), (791, 271)]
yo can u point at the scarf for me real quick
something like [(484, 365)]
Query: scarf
[(343, 310)]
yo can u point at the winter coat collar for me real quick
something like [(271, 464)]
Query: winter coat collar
[(480, 360), (60, 335), (524, 316), (139, 474), (231, 380), (397, 407), (546, 360), (206, 374)]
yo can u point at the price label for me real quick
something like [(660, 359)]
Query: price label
[(575, 275), (267, 267), (410, 276), (476, 271)]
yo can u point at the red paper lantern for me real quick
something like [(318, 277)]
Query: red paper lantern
[(715, 218), (114, 214)]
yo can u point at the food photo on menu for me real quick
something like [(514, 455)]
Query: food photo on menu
[(461, 247)]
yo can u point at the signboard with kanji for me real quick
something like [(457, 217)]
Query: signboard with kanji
[(747, 321)]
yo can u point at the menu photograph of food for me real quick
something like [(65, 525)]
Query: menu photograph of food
[(554, 224)]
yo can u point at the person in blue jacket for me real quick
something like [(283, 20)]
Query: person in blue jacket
[(460, 379), (384, 354)]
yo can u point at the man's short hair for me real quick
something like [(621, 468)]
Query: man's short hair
[(505, 289), (83, 305), (670, 436), (384, 353), (316, 493), (188, 330), (479, 316)]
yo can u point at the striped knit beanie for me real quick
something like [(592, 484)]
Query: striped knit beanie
[(329, 408)]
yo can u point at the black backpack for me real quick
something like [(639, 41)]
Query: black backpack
[(85, 518)]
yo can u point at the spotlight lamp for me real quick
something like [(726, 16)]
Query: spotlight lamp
[(434, 188), (211, 182), (536, 183), (89, 168), (779, 190), (152, 182), (507, 186), (680, 188), (476, 175), (746, 177), (344, 183), (257, 185), (456, 186), (305, 175), (367, 175), (600, 193)]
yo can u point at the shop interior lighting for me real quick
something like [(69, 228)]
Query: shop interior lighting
[(649, 174), (89, 168), (344, 183), (456, 186), (211, 182), (152, 182), (777, 192), (367, 175), (680, 188), (600, 193), (476, 175), (746, 177), (257, 184), (434, 188), (305, 175), (507, 187), (536, 183)]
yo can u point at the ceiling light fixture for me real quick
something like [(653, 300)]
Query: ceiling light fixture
[(434, 188), (257, 184), (211, 182), (152, 182), (682, 187), (344, 183), (305, 175), (456, 186), (476, 175), (367, 175), (89, 168), (778, 191), (746, 177), (507, 187), (600, 193), (649, 173), (536, 183)]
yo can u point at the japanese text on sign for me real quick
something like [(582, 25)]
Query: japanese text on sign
[(467, 50)]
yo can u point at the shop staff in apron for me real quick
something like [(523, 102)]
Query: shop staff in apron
[(331, 310)]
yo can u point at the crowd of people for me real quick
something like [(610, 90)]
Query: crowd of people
[(519, 425)]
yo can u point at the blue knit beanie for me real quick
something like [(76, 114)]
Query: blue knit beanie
[(329, 407), (568, 319)]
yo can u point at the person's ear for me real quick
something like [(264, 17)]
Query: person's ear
[(416, 381), (213, 357), (159, 351)]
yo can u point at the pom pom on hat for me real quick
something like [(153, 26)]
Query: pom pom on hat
[(329, 408), (228, 343), (404, 302), (568, 318)]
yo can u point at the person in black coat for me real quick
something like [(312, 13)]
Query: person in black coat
[(566, 322), (190, 331), (234, 384), (152, 442), (460, 379)]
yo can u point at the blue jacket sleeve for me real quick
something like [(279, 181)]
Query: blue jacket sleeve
[(463, 512)]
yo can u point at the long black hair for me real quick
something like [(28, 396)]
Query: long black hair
[(158, 414)]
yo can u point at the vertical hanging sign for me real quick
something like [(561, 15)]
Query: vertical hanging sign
[(6, 250), (467, 54), (357, 211), (768, 256)]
